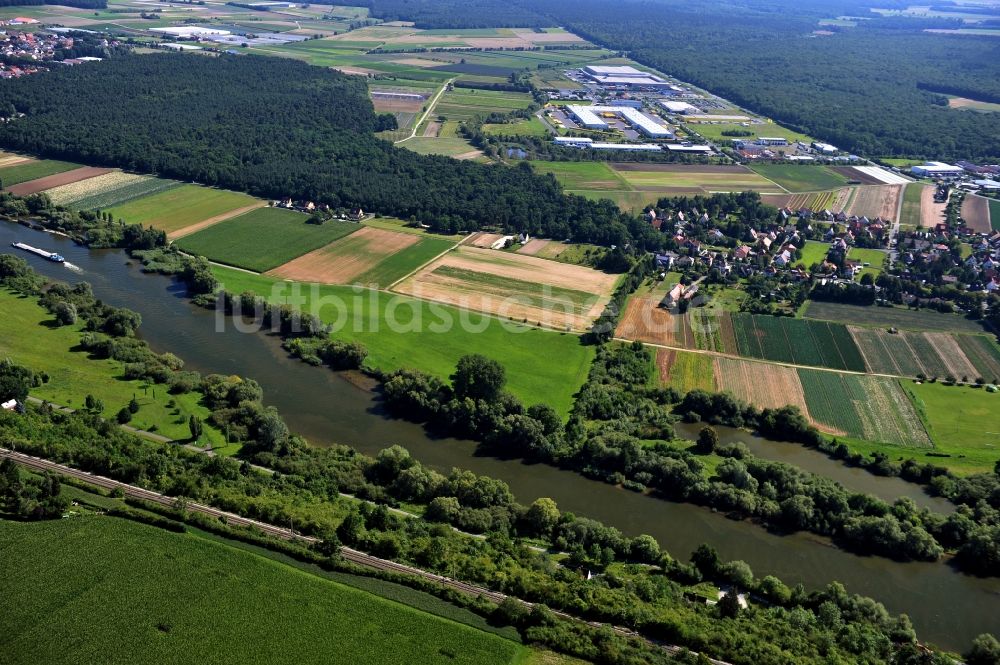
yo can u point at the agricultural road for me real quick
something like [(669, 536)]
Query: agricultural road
[(349, 554), (430, 109)]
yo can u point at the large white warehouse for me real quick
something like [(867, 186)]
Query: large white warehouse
[(937, 170), (624, 76), (589, 117)]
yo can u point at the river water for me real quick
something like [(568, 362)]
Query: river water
[(947, 608)]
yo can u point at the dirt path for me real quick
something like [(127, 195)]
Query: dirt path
[(430, 109), (472, 154), (188, 230)]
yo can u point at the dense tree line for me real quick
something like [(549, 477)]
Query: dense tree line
[(309, 137), (29, 498), (472, 14), (82, 4)]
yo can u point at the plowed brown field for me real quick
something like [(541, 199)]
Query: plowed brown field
[(344, 259), (50, 181), (645, 321)]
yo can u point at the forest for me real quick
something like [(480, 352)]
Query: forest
[(276, 128)]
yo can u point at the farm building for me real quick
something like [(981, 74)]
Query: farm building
[(589, 117), (678, 107), (936, 170), (628, 77)]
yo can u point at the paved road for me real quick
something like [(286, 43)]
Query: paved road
[(349, 554)]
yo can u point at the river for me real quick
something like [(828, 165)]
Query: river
[(947, 608)]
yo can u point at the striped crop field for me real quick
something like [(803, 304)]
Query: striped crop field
[(933, 354), (866, 407), (797, 341), (764, 385), (73, 192)]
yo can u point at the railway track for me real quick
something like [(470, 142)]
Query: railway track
[(349, 554)]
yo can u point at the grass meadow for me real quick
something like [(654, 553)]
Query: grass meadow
[(898, 317), (542, 366), (28, 337), (404, 262), (94, 586), (263, 239), (909, 214), (179, 207)]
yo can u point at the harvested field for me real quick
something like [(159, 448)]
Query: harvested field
[(432, 129), (483, 239), (8, 159), (652, 177), (984, 354), (765, 385), (343, 260), (931, 212), (976, 213), (514, 286), (392, 105), (952, 356), (886, 353), (877, 201), (56, 180), (645, 321), (679, 168), (533, 247)]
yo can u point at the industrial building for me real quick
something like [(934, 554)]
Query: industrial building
[(638, 147), (589, 117), (679, 107), (824, 148), (572, 141), (936, 170), (772, 140), (624, 76)]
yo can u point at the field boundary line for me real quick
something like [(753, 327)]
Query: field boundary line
[(212, 221), (430, 109)]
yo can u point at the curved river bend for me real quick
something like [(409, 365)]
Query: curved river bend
[(946, 607)]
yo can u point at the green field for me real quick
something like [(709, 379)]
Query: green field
[(796, 341), (866, 407), (910, 212), (403, 262), (800, 178), (963, 422), (995, 214), (886, 317), (695, 177), (179, 207), (450, 147), (713, 132), (28, 338), (813, 252), (33, 170), (101, 589), (264, 238), (532, 127), (542, 366), (876, 257), (592, 176)]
